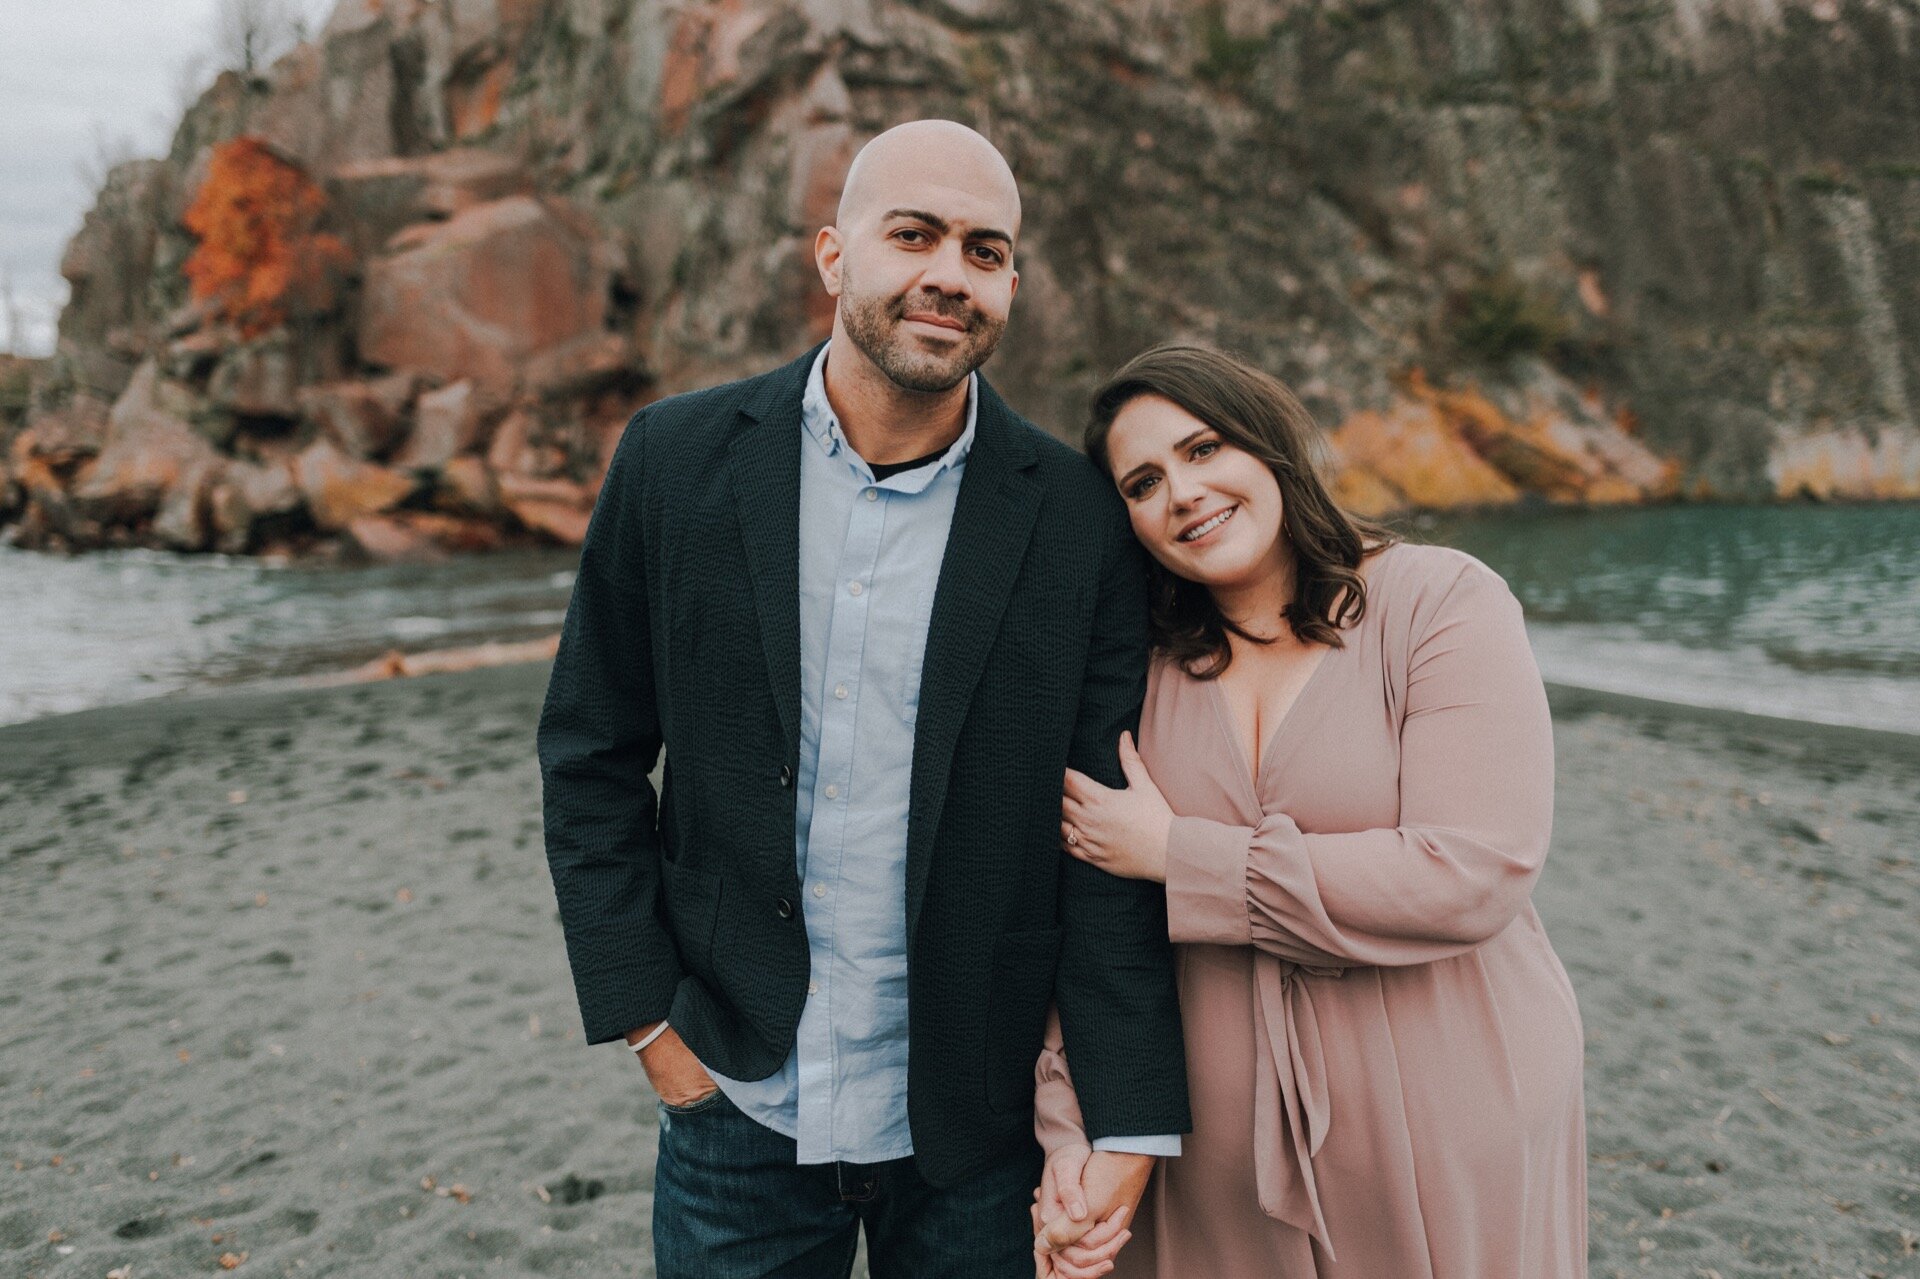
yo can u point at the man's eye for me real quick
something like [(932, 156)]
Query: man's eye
[(914, 235), (987, 256)]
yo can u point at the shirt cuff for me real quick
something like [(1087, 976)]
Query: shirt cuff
[(1167, 1147), (1207, 883)]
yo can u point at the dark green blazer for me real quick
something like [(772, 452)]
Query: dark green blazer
[(684, 632)]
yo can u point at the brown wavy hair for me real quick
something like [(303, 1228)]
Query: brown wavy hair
[(1255, 412)]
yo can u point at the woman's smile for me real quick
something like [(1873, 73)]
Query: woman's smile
[(1204, 528)]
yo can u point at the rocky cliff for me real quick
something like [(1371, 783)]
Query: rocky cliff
[(400, 292)]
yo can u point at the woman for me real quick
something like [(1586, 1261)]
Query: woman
[(1345, 780)]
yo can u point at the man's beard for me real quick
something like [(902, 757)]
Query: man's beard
[(874, 325)]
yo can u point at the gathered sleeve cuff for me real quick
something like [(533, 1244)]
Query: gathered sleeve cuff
[(1207, 883), (1057, 1122)]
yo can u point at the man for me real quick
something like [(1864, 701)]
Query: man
[(873, 616)]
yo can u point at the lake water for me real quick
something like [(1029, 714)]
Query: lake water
[(1808, 612)]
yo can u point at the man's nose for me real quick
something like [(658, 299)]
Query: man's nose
[(947, 271)]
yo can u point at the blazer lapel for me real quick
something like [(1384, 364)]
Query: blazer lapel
[(992, 520), (764, 461)]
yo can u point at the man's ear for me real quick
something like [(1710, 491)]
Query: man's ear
[(1014, 286), (826, 256)]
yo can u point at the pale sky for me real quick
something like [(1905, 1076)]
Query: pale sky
[(68, 72)]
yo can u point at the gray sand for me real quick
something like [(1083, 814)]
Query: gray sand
[(284, 982)]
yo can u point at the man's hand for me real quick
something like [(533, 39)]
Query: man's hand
[(676, 1074), (1109, 1180)]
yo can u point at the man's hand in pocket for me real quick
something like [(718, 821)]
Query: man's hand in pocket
[(676, 1074)]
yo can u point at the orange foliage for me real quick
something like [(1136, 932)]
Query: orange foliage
[(259, 252)]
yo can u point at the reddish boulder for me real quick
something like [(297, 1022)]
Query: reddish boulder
[(511, 451), (244, 494), (339, 488), (68, 434), (184, 521), (557, 508), (366, 419), (1411, 448), (1552, 446), (467, 485), (582, 366), (421, 536), (479, 294), (389, 539), (384, 195), (148, 451), (446, 423), (259, 379)]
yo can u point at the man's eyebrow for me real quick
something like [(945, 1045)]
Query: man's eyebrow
[(943, 226)]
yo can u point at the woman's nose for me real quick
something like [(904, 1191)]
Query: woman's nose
[(1183, 490)]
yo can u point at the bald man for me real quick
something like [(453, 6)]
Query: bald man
[(872, 615)]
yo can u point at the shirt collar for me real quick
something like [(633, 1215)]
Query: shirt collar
[(817, 415)]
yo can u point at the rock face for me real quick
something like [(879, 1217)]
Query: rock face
[(476, 296), (1586, 252)]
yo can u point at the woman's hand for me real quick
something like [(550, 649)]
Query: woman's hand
[(1060, 1190), (1123, 832), (1082, 1209), (1092, 1257)]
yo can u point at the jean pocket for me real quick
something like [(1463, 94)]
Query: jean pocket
[(705, 1103)]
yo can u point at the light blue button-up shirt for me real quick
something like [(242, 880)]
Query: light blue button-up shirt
[(870, 553)]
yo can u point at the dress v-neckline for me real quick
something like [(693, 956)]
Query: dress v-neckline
[(1251, 774)]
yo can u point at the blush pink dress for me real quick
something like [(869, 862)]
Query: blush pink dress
[(1384, 1052)]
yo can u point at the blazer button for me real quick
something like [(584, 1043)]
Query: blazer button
[(786, 777), (783, 908)]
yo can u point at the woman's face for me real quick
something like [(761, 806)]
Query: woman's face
[(1206, 509)]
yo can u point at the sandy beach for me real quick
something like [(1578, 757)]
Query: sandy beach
[(285, 994)]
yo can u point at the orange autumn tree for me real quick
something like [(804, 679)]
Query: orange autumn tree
[(259, 252)]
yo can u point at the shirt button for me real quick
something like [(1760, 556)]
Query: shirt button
[(783, 908), (813, 988), (854, 588), (833, 792), (819, 890), (873, 495), (786, 777), (840, 691)]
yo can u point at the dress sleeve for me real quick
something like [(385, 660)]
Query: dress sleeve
[(1476, 811), (1056, 1106)]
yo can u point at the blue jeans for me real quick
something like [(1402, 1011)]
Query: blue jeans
[(730, 1202)]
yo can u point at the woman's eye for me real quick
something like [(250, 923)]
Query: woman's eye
[(1206, 448), (1142, 486)]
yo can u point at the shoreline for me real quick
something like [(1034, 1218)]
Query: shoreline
[(398, 666)]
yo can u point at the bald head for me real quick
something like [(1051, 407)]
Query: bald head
[(899, 166)]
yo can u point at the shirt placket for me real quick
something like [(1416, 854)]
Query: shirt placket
[(835, 782)]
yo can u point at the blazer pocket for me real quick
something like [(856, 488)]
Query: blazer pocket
[(692, 907), (1022, 986)]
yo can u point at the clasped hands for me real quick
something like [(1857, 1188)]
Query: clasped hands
[(1081, 1211)]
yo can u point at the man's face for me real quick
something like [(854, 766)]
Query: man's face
[(926, 279)]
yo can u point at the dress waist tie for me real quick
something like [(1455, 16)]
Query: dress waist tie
[(1290, 1107)]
